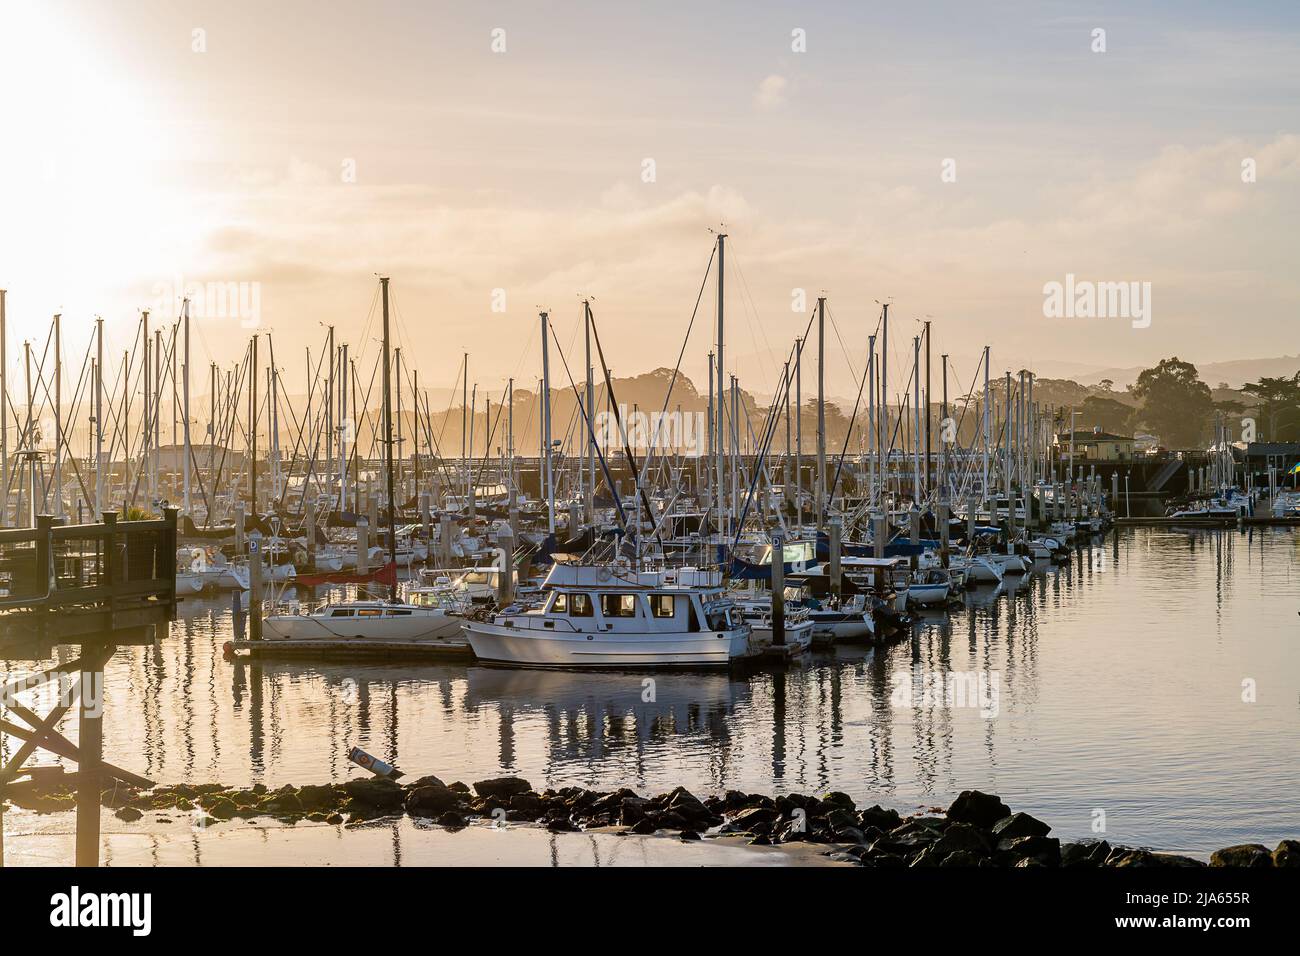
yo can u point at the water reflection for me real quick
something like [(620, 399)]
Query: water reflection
[(1118, 674)]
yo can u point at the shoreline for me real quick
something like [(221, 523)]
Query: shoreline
[(977, 830)]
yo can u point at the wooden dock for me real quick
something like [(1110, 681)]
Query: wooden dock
[(96, 586), (436, 652), (1257, 521)]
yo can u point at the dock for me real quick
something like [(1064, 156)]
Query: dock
[(94, 586), (1257, 521), (438, 652)]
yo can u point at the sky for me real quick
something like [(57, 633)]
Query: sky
[(497, 159)]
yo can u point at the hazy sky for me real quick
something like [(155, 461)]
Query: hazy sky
[(135, 150)]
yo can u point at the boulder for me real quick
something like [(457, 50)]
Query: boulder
[(375, 793), (502, 787), (1019, 825), (313, 798), (1245, 854), (880, 818), (1287, 853), (962, 837), (978, 808), (451, 820), (1085, 853), (431, 801), (1046, 850), (961, 858), (746, 819), (128, 814)]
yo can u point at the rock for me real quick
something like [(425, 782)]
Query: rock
[(1019, 825), (1046, 850), (502, 787), (128, 814), (850, 835), (1085, 853), (1028, 861), (747, 819), (689, 835), (978, 808), (1287, 853), (961, 858), (223, 808), (529, 802), (334, 818), (1245, 855), (1175, 860), (560, 825), (1127, 858), (880, 818), (761, 840), (376, 793), (313, 798), (431, 801), (644, 826), (837, 799), (841, 819), (962, 837), (429, 781), (452, 821)]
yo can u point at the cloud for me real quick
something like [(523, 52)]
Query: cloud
[(771, 92)]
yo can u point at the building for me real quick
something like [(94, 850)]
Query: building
[(1096, 445)]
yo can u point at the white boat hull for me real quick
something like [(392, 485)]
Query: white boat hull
[(537, 647), (434, 626)]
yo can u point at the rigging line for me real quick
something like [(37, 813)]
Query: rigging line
[(631, 458), (591, 432), (672, 383)]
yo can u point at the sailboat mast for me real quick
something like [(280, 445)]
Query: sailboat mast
[(721, 389), (185, 400), (546, 429), (591, 399), (388, 446), (99, 419), (821, 411)]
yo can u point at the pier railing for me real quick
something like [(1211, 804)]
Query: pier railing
[(58, 580)]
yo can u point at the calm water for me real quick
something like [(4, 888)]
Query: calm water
[(1119, 678)]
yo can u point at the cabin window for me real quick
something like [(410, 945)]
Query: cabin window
[(398, 613), (369, 612), (561, 604), (342, 612), (618, 605), (661, 605), (580, 605)]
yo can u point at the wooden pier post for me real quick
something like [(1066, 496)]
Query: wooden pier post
[(944, 531), (836, 532), (880, 534), (90, 754), (778, 591), (363, 545), (506, 587), (971, 508), (254, 590), (309, 520), (239, 527)]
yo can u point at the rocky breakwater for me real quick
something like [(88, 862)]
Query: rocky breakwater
[(977, 830)]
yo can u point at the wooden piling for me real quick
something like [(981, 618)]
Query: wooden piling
[(778, 591)]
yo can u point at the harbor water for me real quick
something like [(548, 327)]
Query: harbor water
[(1147, 692)]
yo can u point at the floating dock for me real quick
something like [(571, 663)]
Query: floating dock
[(434, 651)]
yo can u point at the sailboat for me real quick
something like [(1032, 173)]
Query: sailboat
[(350, 623)]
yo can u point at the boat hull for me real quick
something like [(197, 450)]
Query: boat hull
[(417, 627), (504, 644)]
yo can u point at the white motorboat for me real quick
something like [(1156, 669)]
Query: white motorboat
[(596, 616), (929, 588), (758, 615), (362, 621), (188, 582)]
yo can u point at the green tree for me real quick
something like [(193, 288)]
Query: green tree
[(1176, 404), (1278, 403), (1106, 414)]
